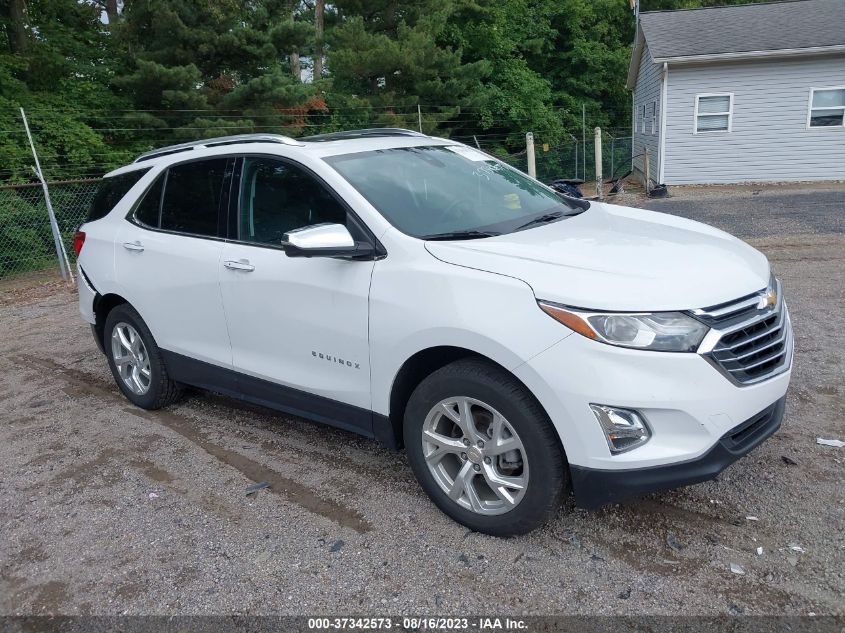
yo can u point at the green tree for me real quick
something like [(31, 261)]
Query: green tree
[(61, 77), (194, 66)]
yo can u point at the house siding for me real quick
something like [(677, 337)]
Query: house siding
[(647, 93), (769, 140)]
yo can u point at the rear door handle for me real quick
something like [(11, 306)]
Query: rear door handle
[(241, 264), (133, 246)]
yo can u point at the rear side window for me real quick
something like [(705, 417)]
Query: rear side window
[(192, 196), (111, 191), (148, 211)]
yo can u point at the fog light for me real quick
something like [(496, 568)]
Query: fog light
[(623, 429)]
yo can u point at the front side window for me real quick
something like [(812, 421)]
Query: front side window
[(827, 107), (110, 191), (432, 192), (277, 197), (192, 197), (642, 119), (713, 113)]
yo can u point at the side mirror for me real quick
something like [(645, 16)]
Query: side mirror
[(325, 240)]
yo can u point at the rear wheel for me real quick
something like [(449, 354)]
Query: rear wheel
[(135, 360), (483, 449)]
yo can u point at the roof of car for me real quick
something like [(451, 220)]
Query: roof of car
[(347, 142)]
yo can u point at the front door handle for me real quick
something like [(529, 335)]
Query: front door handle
[(133, 246), (241, 264)]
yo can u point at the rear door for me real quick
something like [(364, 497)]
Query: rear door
[(167, 257), (299, 322)]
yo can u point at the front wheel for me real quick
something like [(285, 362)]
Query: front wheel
[(484, 450)]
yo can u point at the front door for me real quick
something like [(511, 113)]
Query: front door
[(301, 324)]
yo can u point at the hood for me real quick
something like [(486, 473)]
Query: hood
[(619, 258)]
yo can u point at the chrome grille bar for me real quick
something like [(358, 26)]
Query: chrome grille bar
[(778, 341), (748, 343), (728, 309)]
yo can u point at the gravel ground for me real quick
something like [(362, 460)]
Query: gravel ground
[(108, 509)]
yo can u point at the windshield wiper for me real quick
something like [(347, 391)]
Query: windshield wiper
[(541, 219), (460, 235)]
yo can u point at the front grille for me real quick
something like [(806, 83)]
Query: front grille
[(753, 343)]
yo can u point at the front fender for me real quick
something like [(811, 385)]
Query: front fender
[(433, 303)]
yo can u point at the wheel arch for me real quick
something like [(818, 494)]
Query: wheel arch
[(103, 304), (422, 364)]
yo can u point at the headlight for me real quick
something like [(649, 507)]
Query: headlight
[(660, 331)]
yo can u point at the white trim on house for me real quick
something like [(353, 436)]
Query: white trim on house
[(784, 52), (664, 95), (810, 109), (730, 113), (636, 55), (633, 125)]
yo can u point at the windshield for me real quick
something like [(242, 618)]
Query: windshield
[(450, 191)]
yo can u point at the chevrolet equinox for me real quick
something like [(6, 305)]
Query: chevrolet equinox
[(519, 344)]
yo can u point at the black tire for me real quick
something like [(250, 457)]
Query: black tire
[(548, 474), (162, 390)]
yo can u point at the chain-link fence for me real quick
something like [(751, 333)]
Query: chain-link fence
[(573, 160), (569, 160), (26, 241)]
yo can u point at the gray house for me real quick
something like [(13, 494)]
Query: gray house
[(749, 93)]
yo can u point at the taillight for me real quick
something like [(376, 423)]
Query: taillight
[(78, 242)]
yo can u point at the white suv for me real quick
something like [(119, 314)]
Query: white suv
[(518, 344)]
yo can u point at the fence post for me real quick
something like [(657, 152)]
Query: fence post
[(64, 262), (529, 150), (419, 116), (584, 141), (612, 157), (597, 145)]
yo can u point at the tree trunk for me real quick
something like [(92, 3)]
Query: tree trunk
[(111, 12), (319, 10), (295, 66), (16, 29), (390, 17)]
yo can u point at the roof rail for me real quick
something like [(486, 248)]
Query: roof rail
[(217, 141), (372, 132)]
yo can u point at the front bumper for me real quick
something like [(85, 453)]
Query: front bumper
[(691, 407), (594, 487)]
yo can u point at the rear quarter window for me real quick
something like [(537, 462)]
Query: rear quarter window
[(111, 191)]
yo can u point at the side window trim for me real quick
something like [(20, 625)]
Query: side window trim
[(161, 195), (222, 210), (131, 215), (364, 231)]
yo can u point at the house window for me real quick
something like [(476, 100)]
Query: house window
[(654, 117), (642, 119), (827, 107), (713, 113)]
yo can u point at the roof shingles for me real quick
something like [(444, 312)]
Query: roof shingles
[(745, 28)]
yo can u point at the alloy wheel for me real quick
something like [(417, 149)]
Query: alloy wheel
[(475, 455), (131, 358)]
